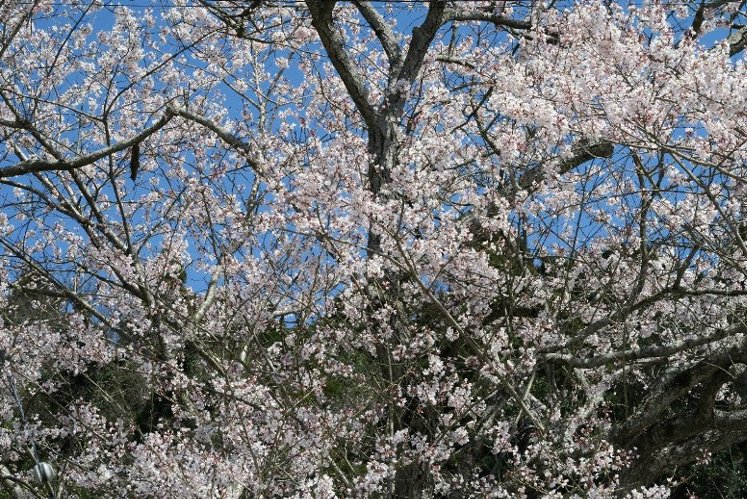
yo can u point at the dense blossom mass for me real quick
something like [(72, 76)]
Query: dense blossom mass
[(371, 249)]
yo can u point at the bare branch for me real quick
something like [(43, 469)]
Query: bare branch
[(38, 165), (382, 30), (225, 135), (486, 16), (737, 41), (321, 19)]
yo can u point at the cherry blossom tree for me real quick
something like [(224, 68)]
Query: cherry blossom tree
[(388, 249)]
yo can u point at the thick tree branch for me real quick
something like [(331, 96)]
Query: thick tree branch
[(737, 41), (486, 16), (731, 420), (582, 153), (422, 36), (688, 424), (321, 19), (383, 32), (674, 441), (226, 136), (38, 165), (657, 351), (675, 385)]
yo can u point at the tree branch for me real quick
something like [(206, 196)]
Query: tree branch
[(321, 19), (737, 41), (582, 153), (678, 383), (38, 165), (657, 351), (422, 36), (223, 134), (486, 16), (383, 32)]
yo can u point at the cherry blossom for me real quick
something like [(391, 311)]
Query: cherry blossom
[(352, 249)]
